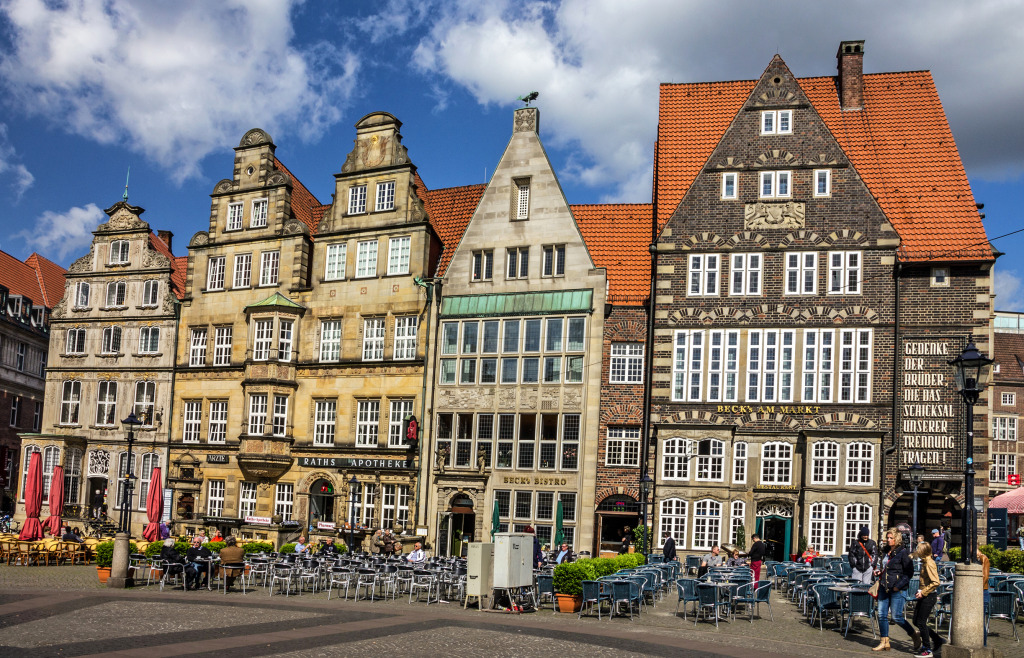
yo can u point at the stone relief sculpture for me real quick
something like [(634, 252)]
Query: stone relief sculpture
[(255, 137), (99, 463), (773, 215)]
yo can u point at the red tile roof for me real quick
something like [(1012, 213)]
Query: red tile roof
[(900, 145), (51, 279), (450, 210), (179, 264), (618, 236), (306, 208), (1009, 354), (37, 278)]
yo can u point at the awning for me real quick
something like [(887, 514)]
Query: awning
[(521, 303), (1011, 501)]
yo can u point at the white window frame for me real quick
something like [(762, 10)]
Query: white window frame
[(82, 293), (330, 341), (844, 278), (737, 518), (257, 420), (482, 268), (247, 497), (334, 268), (279, 418), (1004, 428), (825, 462), (242, 274), (111, 340), (783, 455), (940, 277), (860, 464), (710, 467), (626, 363), (855, 363), (222, 346), (366, 259), (70, 402), (707, 526), (672, 518), (801, 276), (234, 218), (192, 422), (357, 199), (855, 515), (1007, 399), (702, 275), (730, 178), (263, 339), (523, 199), (145, 402), (517, 263), (258, 218), (552, 260), (772, 122), (745, 275), (215, 273), (1003, 465), (406, 330), (285, 339), (398, 255), (622, 448), (723, 353), (215, 498), (740, 452), (197, 347), (367, 423), (822, 176), (374, 335), (675, 459), (75, 343), (284, 500), (385, 198), (823, 526), (818, 362), (775, 184), (119, 252), (270, 268), (117, 294), (688, 365), (106, 403), (151, 293), (400, 408), (217, 427)]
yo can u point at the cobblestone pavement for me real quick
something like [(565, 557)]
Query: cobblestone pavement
[(64, 611)]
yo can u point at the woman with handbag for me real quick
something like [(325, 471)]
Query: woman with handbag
[(893, 579)]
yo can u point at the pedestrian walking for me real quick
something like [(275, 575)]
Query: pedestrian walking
[(756, 555), (894, 577), (925, 598), (861, 555), (669, 550), (938, 544)]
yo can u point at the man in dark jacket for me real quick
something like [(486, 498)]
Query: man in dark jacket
[(756, 556), (861, 555), (938, 544), (197, 558), (670, 547)]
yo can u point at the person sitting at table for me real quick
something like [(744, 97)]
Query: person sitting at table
[(809, 555), (217, 536), (417, 556), (735, 560), (71, 535), (327, 548), (712, 559), (565, 554), (197, 557), (301, 546), (202, 536), (172, 558), (232, 553)]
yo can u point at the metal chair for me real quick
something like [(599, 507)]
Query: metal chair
[(628, 592), (692, 564), (175, 571), (859, 604), (367, 581), (546, 588), (593, 594), (340, 576), (421, 580), (823, 600), (283, 575), (707, 598), (259, 567), (753, 595), (687, 589), (1002, 605), (238, 567)]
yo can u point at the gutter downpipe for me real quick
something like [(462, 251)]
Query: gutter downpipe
[(645, 430), (174, 378), (428, 285), (895, 391)]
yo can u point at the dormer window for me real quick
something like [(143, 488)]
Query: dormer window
[(234, 216), (259, 214), (777, 122), (357, 200), (385, 196), (119, 252)]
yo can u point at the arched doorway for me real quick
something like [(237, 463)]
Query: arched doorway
[(775, 526), (461, 525), (321, 502), (935, 509), (614, 515)]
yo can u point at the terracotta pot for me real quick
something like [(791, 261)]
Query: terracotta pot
[(569, 603), (104, 573)]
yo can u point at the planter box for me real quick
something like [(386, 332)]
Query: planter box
[(104, 573), (569, 603)]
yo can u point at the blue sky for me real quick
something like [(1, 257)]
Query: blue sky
[(91, 87)]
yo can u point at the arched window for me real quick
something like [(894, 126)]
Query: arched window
[(860, 464), (707, 523), (777, 463), (51, 458), (122, 470), (117, 293), (675, 461), (823, 528), (24, 469), (737, 519), (150, 461), (856, 515), (739, 462), (672, 520), (72, 475), (710, 461), (825, 463)]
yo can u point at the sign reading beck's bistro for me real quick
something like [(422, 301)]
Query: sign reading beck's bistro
[(349, 462), (929, 407)]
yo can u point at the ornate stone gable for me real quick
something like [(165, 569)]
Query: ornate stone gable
[(123, 217)]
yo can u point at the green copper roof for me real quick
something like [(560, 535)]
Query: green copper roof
[(277, 299), (522, 303)]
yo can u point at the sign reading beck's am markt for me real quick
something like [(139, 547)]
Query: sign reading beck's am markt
[(929, 407)]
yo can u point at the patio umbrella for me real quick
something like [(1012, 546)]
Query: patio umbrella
[(56, 501), (559, 533), (33, 529), (154, 506), (495, 521)]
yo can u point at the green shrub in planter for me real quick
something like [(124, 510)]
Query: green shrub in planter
[(105, 553), (603, 566), (288, 548), (215, 546), (569, 576), (954, 553), (628, 561), (153, 550), (258, 547)]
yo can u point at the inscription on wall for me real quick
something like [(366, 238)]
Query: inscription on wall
[(930, 409)]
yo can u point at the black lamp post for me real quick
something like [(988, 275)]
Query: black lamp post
[(129, 423), (646, 484), (916, 475), (352, 484), (970, 374)]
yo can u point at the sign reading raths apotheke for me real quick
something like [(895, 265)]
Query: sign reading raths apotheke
[(930, 410), (352, 462)]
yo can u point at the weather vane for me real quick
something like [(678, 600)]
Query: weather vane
[(127, 176), (530, 97)]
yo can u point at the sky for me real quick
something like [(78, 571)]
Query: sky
[(90, 89)]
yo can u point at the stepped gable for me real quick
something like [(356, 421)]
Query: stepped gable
[(450, 210), (618, 236)]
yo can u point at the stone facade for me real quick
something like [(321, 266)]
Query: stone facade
[(1007, 403)]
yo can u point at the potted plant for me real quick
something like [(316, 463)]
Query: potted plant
[(104, 552), (568, 583)]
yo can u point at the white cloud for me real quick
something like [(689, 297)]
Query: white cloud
[(173, 81), (64, 233), (20, 178), (1009, 287)]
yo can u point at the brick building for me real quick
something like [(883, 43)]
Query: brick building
[(820, 258), (1007, 401)]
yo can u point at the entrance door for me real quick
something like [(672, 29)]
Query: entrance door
[(462, 529), (321, 502), (96, 497), (775, 531)]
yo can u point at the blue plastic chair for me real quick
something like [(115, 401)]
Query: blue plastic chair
[(708, 599), (628, 592), (1002, 605), (687, 589), (860, 604), (753, 595), (823, 600), (593, 595)]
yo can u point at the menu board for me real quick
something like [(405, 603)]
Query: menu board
[(930, 409)]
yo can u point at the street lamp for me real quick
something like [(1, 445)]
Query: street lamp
[(352, 484), (970, 374), (916, 475), (129, 423), (646, 484)]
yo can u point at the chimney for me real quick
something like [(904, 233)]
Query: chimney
[(850, 61), (166, 236)]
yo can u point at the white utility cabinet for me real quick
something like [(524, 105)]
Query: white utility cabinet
[(479, 569), (513, 560)]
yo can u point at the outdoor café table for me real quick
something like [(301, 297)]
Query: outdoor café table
[(209, 562)]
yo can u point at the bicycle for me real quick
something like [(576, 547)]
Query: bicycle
[(7, 524)]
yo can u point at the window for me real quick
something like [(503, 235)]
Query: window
[(192, 422), (817, 370), (367, 423), (257, 414), (627, 363), (72, 475), (394, 505), (573, 369), (150, 460), (823, 528), (553, 263), (570, 442), (703, 275), (243, 271), (844, 273), (405, 337), (859, 464), (776, 122), (111, 340), (940, 277), (197, 348), (825, 463), (263, 336), (373, 339), (330, 340), (284, 500), (801, 273), (483, 265), (687, 369), (707, 523), (19, 355), (527, 441), (398, 255), (447, 375), (524, 505), (106, 404), (82, 294), (285, 340), (279, 424), (710, 461), (366, 259), (270, 262), (234, 216), (776, 463), (385, 196), (215, 498), (259, 213), (335, 261), (522, 199), (357, 199), (723, 366), (739, 463), (71, 398), (1008, 399), (775, 184), (215, 273), (117, 291), (736, 519), (1004, 428), (364, 498), (623, 447), (1003, 466), (675, 463), (76, 341), (857, 515), (822, 182), (15, 419), (729, 185), (745, 274), (123, 469), (510, 341), (399, 410), (145, 400), (151, 293), (222, 346), (28, 452), (246, 499), (672, 519), (855, 365), (37, 417), (218, 429), (518, 263), (119, 252)]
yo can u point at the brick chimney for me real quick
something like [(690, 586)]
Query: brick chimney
[(850, 61), (166, 236)]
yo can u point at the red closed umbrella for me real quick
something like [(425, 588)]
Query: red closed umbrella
[(154, 506), (56, 501), (33, 529)]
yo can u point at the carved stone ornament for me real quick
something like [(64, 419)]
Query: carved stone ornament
[(773, 215), (83, 264), (154, 259), (350, 163), (255, 137), (373, 150), (99, 463), (60, 310), (199, 239), (226, 185), (775, 509), (123, 217), (295, 227), (525, 120), (277, 178)]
